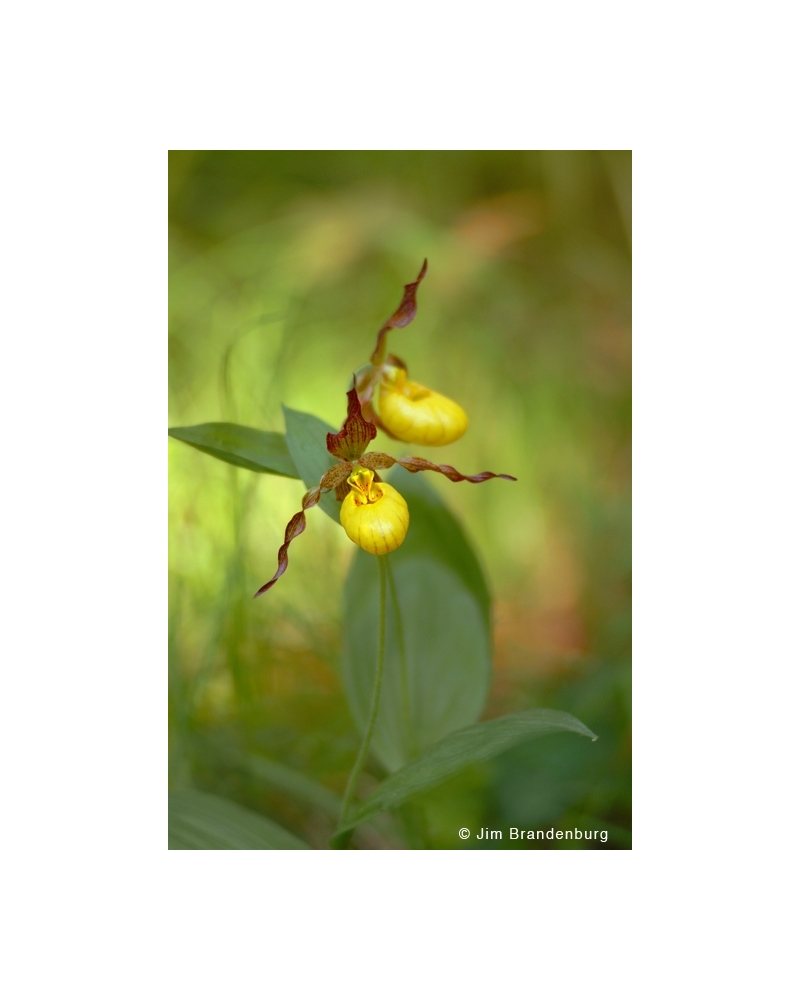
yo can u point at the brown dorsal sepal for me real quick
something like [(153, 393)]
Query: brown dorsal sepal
[(356, 433)]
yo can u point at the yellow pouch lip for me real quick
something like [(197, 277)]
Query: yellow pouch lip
[(377, 526), (418, 415)]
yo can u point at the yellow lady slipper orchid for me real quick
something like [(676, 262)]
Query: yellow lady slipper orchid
[(417, 415), (407, 411), (374, 515)]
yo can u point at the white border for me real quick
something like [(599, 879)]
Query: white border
[(97, 95)]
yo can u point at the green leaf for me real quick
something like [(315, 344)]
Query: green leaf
[(445, 611), (468, 746), (305, 438), (202, 822), (279, 776), (260, 451)]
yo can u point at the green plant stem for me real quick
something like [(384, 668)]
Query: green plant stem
[(401, 649), (376, 697)]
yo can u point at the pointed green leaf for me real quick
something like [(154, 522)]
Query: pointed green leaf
[(468, 746), (444, 614), (260, 451), (305, 438), (202, 822)]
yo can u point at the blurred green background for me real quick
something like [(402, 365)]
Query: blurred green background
[(283, 266)]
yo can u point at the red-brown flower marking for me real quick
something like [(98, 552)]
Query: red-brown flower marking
[(376, 518), (406, 410)]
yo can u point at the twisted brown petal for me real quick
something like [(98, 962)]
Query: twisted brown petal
[(331, 480), (356, 432), (377, 460), (380, 460), (334, 476), (402, 316), (423, 465)]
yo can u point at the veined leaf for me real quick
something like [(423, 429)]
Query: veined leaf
[(305, 438), (444, 624), (202, 822), (468, 746), (260, 451)]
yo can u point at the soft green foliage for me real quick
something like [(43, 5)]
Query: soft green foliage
[(283, 266), (259, 451), (444, 647), (300, 787), (459, 750), (202, 822)]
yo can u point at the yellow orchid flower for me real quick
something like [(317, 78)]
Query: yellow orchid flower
[(373, 514), (407, 410)]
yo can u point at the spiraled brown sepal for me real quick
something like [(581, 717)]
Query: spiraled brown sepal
[(356, 433), (402, 316), (379, 460), (331, 480)]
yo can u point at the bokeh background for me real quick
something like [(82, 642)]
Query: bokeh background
[(283, 266)]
